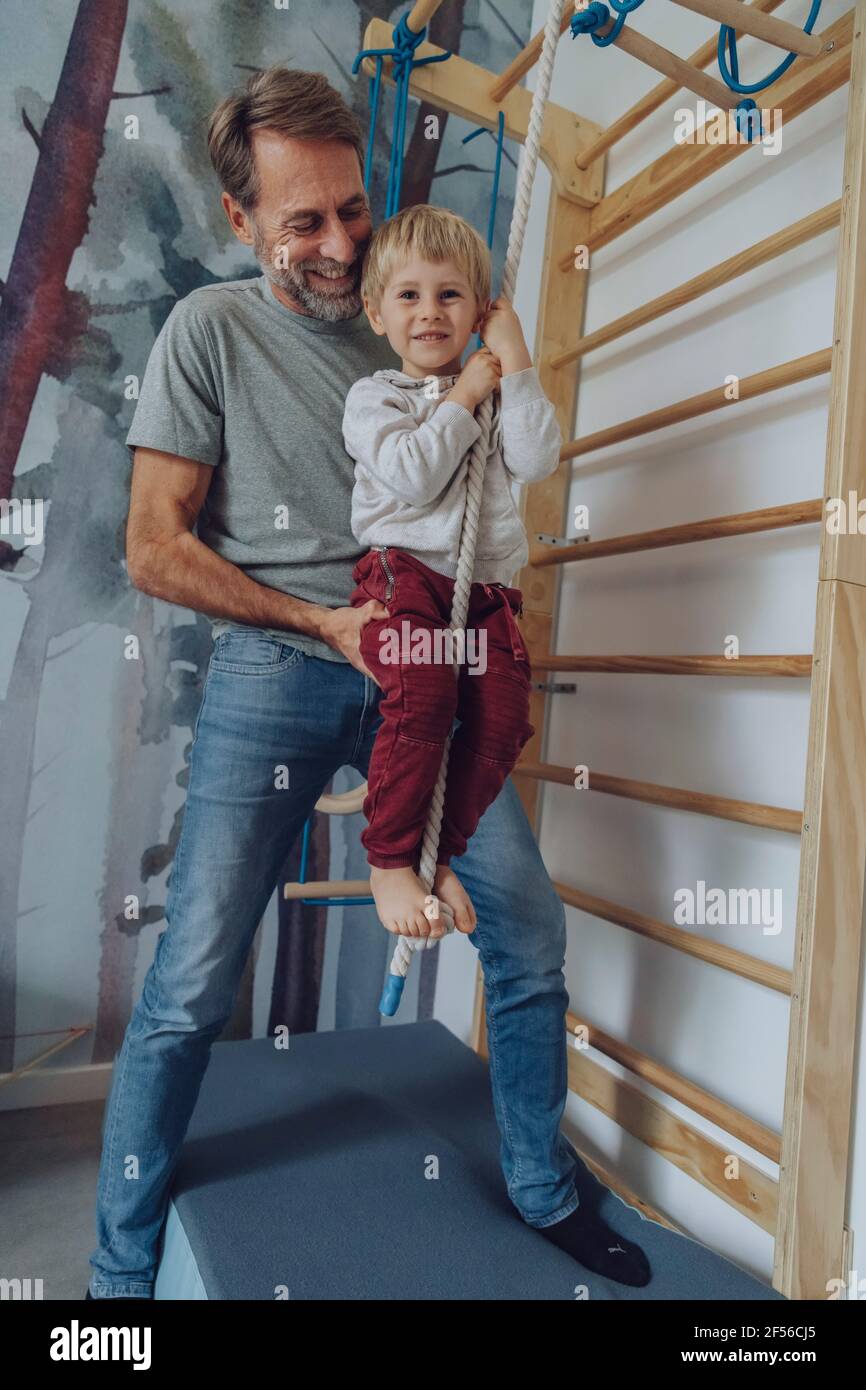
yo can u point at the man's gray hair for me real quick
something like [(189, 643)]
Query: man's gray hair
[(301, 105)]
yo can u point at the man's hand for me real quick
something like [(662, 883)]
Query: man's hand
[(479, 377), (502, 333), (341, 628)]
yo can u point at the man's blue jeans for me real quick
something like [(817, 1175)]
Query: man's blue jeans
[(268, 705)]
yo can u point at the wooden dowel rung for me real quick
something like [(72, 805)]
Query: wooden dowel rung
[(762, 972), (684, 166), (667, 63), (712, 529), (324, 888), (758, 254), (673, 1083), (674, 798), (701, 58), (752, 1193), (524, 62), (754, 666), (762, 26), (748, 387), (421, 14)]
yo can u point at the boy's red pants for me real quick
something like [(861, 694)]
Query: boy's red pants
[(421, 697)]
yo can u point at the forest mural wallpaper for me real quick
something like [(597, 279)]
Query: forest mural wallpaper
[(110, 215)]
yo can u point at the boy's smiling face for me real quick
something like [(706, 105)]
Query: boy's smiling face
[(428, 311)]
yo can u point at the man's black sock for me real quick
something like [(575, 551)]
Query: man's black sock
[(584, 1235)]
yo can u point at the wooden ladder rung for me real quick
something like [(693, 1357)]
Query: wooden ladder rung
[(683, 167), (321, 888), (779, 32), (675, 798), (758, 254), (786, 665), (525, 61), (701, 58), (762, 972), (714, 528), (748, 387), (732, 1120), (753, 1193)]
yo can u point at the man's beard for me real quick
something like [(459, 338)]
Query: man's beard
[(335, 306)]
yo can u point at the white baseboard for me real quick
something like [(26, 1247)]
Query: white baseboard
[(55, 1086)]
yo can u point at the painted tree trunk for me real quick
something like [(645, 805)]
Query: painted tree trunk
[(56, 218)]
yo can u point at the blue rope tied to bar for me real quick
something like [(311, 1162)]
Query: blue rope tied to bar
[(731, 76), (402, 55), (596, 15)]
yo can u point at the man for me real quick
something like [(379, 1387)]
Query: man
[(237, 426)]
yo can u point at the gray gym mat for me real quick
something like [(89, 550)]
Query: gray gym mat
[(303, 1176)]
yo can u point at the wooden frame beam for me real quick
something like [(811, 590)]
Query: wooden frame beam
[(464, 88), (811, 1245), (544, 505), (685, 166)]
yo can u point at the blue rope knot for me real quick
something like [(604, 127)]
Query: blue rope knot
[(402, 55), (406, 40), (595, 16), (727, 49), (748, 118)]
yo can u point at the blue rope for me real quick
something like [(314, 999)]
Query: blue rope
[(597, 15), (302, 878), (728, 36), (497, 171), (404, 62)]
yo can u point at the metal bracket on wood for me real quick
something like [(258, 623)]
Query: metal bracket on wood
[(545, 539), (556, 687)]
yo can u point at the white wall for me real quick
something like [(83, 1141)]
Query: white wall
[(743, 738)]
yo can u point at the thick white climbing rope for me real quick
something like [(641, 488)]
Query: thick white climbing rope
[(475, 477)]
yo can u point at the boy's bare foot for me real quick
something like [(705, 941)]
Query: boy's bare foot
[(447, 886), (400, 896)]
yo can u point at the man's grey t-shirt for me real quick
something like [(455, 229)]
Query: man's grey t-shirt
[(238, 381)]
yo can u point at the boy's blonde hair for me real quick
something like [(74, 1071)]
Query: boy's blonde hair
[(434, 234)]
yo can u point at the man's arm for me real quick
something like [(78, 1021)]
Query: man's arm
[(166, 560)]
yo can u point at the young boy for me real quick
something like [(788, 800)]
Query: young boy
[(426, 285)]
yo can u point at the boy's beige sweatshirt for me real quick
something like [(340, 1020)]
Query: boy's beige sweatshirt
[(411, 450)]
